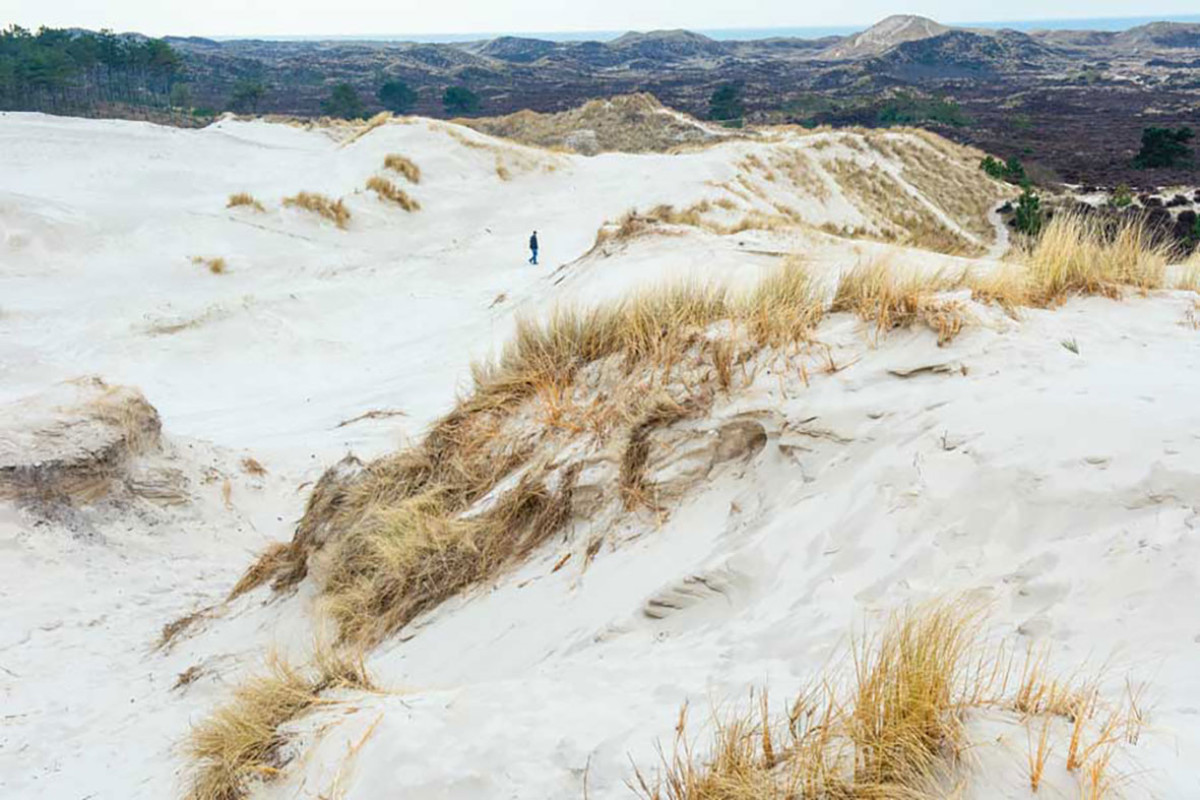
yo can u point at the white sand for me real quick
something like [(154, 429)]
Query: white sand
[(1061, 487)]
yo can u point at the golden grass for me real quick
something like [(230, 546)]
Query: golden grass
[(245, 199), (947, 175), (1080, 255), (215, 265), (333, 210), (897, 214), (239, 744), (402, 165), (1038, 756), (252, 466), (890, 298), (386, 190), (1188, 277), (784, 308), (894, 731), (177, 627)]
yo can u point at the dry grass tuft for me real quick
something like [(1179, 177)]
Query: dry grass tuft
[(1188, 278), (634, 490), (244, 199), (240, 743), (176, 628), (216, 266), (784, 308), (1083, 255), (333, 210), (1038, 756), (909, 687), (386, 190), (404, 166), (894, 732), (252, 466), (129, 411), (892, 299)]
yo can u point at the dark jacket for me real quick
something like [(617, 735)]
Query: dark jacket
[(533, 242)]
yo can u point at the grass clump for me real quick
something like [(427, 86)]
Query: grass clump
[(409, 530), (386, 190), (894, 730), (240, 743), (1083, 255), (333, 210), (215, 265), (403, 165), (244, 199), (892, 299), (1079, 255)]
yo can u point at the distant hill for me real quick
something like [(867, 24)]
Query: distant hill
[(961, 52), (1158, 35), (884, 35), (668, 45)]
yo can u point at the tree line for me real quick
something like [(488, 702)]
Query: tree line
[(60, 70)]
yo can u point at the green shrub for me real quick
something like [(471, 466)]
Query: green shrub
[(343, 102), (460, 100), (1011, 171), (726, 102), (1164, 147), (246, 96), (1029, 216), (1122, 196), (396, 96)]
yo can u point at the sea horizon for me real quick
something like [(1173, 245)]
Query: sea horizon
[(726, 34)]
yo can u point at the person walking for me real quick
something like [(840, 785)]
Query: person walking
[(533, 248)]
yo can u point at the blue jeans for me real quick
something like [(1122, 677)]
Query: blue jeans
[(533, 258)]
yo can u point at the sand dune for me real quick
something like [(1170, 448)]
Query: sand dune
[(827, 484)]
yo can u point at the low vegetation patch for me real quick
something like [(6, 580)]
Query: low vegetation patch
[(404, 166), (244, 200), (240, 744), (635, 123), (333, 210), (1079, 255), (415, 528), (896, 727), (216, 265), (386, 190), (892, 298), (479, 493)]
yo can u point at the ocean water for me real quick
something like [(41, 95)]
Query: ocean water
[(741, 34)]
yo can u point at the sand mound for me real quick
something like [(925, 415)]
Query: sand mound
[(635, 123), (75, 444)]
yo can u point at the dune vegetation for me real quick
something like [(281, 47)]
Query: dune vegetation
[(214, 264), (404, 166), (244, 200), (896, 727), (240, 743), (478, 494), (333, 210), (386, 190)]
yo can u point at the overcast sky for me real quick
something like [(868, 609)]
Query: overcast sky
[(391, 17)]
